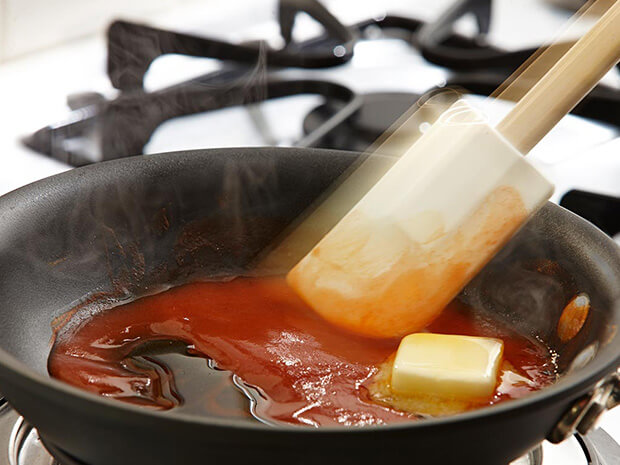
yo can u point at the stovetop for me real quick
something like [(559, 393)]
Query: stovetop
[(338, 85), (373, 55)]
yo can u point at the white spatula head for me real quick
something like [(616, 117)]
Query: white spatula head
[(423, 231)]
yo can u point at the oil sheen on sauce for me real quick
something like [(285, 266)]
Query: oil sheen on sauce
[(295, 367)]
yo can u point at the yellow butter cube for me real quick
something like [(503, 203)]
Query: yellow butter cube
[(461, 367)]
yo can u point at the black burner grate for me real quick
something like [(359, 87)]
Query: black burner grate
[(100, 129), (601, 210)]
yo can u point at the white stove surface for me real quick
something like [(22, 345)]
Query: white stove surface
[(577, 154)]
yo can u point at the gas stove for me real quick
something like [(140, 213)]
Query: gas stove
[(340, 72), (336, 76)]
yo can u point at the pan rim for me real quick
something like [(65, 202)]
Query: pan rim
[(604, 365)]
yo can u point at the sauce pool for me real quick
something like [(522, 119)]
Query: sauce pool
[(296, 367)]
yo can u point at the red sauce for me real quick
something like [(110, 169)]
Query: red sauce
[(305, 370)]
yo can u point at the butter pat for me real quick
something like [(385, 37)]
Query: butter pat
[(461, 367)]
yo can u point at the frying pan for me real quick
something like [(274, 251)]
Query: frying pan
[(114, 229)]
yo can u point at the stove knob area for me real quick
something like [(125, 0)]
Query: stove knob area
[(583, 416)]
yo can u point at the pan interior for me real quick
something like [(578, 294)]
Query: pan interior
[(132, 227)]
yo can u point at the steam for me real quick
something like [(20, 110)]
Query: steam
[(528, 289), (106, 240)]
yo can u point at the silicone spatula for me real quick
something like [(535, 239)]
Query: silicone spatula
[(447, 206)]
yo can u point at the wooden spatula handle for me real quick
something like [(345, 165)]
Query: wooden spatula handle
[(565, 84)]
